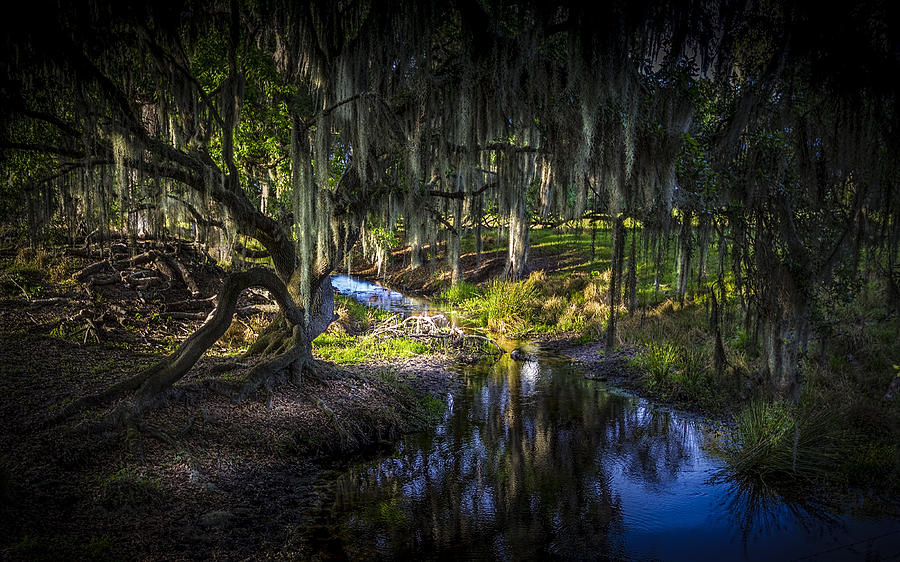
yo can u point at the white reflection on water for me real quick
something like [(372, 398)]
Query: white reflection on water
[(375, 295)]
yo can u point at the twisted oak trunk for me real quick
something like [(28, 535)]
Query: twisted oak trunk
[(149, 383)]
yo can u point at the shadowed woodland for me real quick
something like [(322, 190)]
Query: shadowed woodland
[(208, 166)]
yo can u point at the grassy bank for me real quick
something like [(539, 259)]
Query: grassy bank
[(840, 433)]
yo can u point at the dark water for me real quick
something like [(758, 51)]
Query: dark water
[(533, 461)]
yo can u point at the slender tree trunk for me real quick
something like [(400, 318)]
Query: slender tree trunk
[(684, 255), (615, 281), (454, 244), (477, 213), (415, 242), (631, 278), (716, 328), (705, 232)]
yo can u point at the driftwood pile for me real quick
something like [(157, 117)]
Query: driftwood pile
[(158, 281), (437, 327)]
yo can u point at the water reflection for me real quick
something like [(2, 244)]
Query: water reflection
[(375, 295), (524, 464), (533, 461)]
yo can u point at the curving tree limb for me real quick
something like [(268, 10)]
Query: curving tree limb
[(151, 382)]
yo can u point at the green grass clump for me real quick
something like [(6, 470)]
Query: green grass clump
[(657, 363), (459, 293), (775, 443), (345, 349), (504, 307), (359, 316)]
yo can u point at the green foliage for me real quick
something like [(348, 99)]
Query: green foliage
[(504, 306), (345, 349), (657, 364), (433, 408), (458, 294), (358, 315), (871, 463), (677, 373)]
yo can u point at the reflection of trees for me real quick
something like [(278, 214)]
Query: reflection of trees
[(651, 445), (759, 509), (522, 467)]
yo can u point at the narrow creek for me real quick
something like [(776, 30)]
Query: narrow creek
[(532, 460)]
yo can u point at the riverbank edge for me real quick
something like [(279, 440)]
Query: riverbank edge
[(204, 476), (614, 369)]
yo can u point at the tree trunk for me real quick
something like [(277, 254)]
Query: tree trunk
[(705, 232), (684, 255), (615, 281), (518, 239), (454, 244), (631, 278), (784, 337), (477, 213), (150, 382)]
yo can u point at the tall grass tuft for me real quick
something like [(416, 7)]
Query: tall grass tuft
[(459, 293), (774, 443), (504, 306), (657, 364)]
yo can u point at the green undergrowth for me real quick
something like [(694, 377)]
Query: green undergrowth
[(774, 443), (358, 317), (351, 342), (346, 349), (840, 433)]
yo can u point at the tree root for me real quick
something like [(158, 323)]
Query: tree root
[(170, 268), (151, 383)]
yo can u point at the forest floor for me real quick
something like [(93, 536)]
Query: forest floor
[(205, 477)]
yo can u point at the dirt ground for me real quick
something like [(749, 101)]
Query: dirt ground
[(204, 477)]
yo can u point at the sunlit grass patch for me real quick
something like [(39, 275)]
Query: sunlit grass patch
[(345, 349), (504, 306), (458, 294), (356, 315)]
